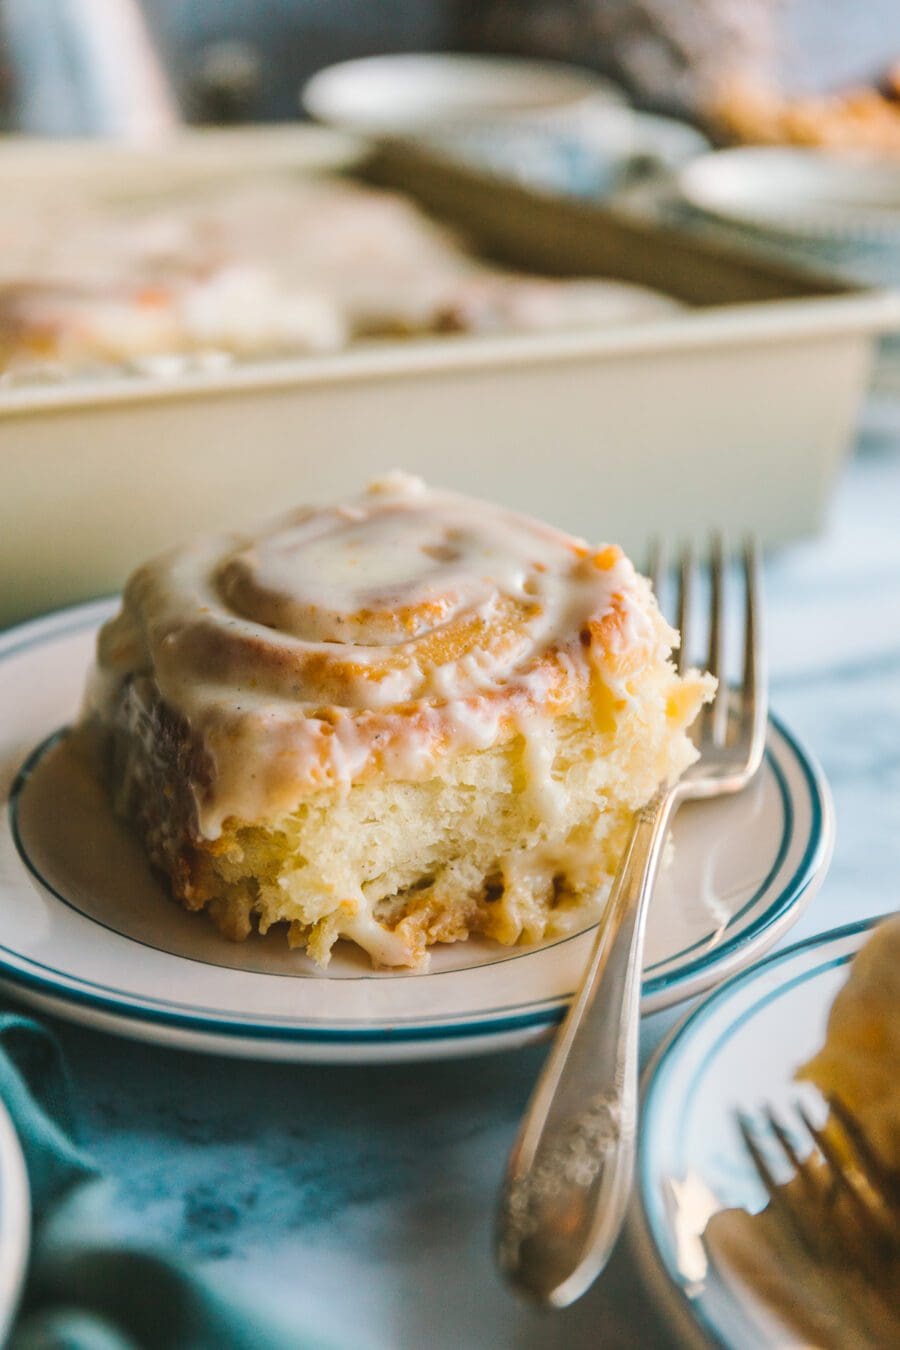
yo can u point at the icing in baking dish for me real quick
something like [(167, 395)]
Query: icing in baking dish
[(257, 269)]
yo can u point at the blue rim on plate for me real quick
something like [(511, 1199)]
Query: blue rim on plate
[(61, 986), (671, 1084), (15, 1221)]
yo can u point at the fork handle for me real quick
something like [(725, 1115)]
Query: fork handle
[(570, 1170)]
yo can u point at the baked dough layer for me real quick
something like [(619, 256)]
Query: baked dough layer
[(464, 761)]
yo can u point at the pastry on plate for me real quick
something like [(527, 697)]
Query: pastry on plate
[(859, 1061), (401, 720)]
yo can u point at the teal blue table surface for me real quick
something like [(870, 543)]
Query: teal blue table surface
[(363, 1197)]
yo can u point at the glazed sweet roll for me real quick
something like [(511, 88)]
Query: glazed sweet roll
[(400, 721)]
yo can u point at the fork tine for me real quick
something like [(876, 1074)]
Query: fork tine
[(754, 694), (777, 1194), (715, 659), (686, 578), (836, 1215), (841, 1176), (865, 1158), (757, 1157), (802, 1166)]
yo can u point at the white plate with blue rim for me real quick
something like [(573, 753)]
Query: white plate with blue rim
[(15, 1222), (736, 1051), (87, 931)]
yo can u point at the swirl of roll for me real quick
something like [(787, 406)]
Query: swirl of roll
[(476, 668), (371, 638)]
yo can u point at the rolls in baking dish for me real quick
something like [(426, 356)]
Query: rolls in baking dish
[(255, 270)]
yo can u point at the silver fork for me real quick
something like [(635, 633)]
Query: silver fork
[(846, 1200), (570, 1170)]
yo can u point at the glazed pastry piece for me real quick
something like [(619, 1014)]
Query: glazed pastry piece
[(402, 720), (860, 1059), (260, 269)]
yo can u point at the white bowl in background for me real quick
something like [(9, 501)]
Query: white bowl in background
[(807, 194), (605, 149), (410, 93)]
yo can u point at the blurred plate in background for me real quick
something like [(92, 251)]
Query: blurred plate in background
[(410, 93), (806, 193), (608, 150)]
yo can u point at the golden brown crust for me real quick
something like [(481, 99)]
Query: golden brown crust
[(446, 680), (303, 658)]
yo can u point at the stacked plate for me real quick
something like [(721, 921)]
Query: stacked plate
[(610, 149), (825, 211), (822, 208), (553, 127)]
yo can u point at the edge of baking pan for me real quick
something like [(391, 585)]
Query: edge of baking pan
[(862, 312), (738, 300), (560, 235)]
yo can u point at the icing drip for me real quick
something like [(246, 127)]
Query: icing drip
[(373, 637)]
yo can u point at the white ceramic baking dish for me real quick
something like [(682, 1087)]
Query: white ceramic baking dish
[(734, 413)]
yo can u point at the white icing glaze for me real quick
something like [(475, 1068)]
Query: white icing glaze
[(373, 636)]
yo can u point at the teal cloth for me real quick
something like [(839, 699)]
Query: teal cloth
[(84, 1290)]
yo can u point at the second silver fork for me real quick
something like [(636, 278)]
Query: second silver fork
[(570, 1170), (846, 1205)]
